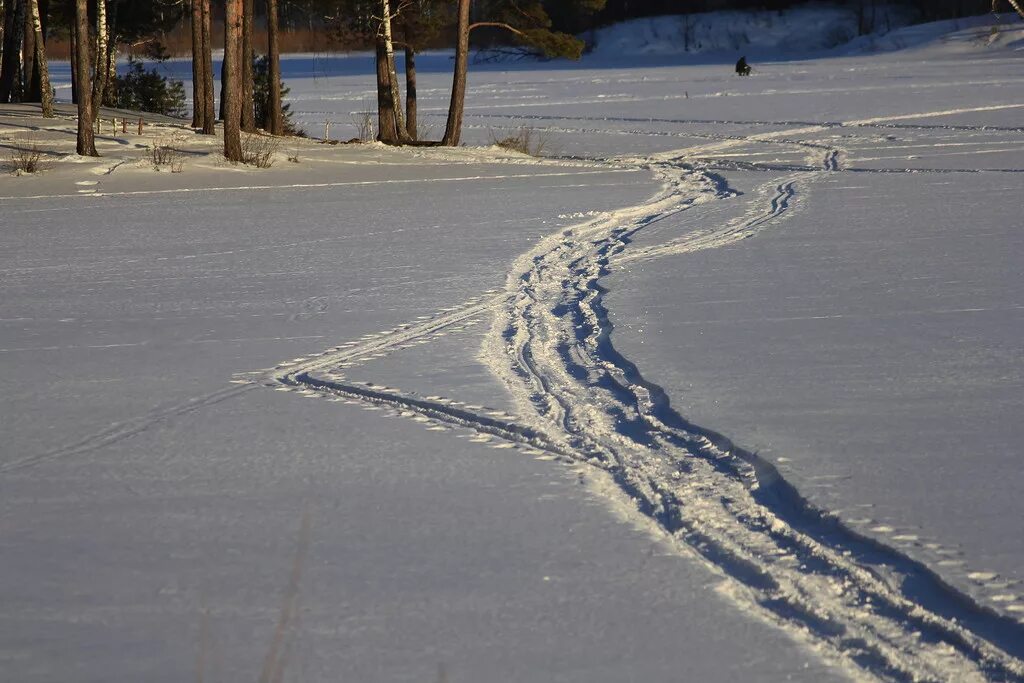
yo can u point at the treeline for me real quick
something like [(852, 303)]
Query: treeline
[(929, 10), (568, 17), (99, 29)]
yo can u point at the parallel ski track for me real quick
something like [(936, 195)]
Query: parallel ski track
[(780, 193), (860, 603), (739, 122), (857, 601), (129, 428)]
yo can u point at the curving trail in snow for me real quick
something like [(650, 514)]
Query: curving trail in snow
[(856, 601), (862, 605)]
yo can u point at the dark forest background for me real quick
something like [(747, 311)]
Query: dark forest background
[(310, 25), (304, 13)]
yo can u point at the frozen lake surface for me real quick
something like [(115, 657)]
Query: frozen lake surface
[(727, 386)]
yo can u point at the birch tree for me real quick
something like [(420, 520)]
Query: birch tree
[(46, 93), (1017, 5), (101, 72), (389, 52)]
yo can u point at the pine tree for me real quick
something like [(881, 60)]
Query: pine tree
[(232, 90), (86, 141)]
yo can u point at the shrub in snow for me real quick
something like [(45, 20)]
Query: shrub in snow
[(25, 157), (525, 141), (259, 150)]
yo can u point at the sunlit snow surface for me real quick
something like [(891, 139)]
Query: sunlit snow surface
[(586, 419)]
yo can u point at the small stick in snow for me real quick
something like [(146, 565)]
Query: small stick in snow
[(124, 125), (327, 130), (140, 125)]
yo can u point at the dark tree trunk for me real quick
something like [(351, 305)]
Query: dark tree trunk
[(387, 128), (74, 66), (13, 37), (275, 111), (29, 77), (198, 78), (248, 99), (410, 90), (209, 118), (223, 79), (86, 141), (233, 80), (453, 129)]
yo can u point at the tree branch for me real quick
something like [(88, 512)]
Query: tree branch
[(498, 24)]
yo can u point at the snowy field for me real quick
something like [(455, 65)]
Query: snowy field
[(726, 387)]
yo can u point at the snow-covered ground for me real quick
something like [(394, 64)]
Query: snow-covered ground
[(726, 388), (799, 29)]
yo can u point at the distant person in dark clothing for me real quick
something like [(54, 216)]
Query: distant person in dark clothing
[(742, 68)]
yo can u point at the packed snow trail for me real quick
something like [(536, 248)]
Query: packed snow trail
[(863, 605), (854, 599)]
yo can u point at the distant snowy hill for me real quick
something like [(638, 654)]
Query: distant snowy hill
[(808, 29), (952, 36)]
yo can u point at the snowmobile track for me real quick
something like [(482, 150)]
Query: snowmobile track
[(861, 604)]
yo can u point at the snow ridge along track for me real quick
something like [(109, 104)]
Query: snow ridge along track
[(856, 600), (861, 604)]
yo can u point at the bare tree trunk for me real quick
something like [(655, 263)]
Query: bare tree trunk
[(453, 129), (99, 83), (223, 76), (13, 38), (233, 80), (209, 117), (275, 110), (28, 59), (198, 81), (74, 65), (110, 59), (386, 128), (248, 99), (389, 48), (410, 81), (45, 92), (86, 141)]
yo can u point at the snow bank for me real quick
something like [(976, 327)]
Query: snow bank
[(808, 28), (954, 35)]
